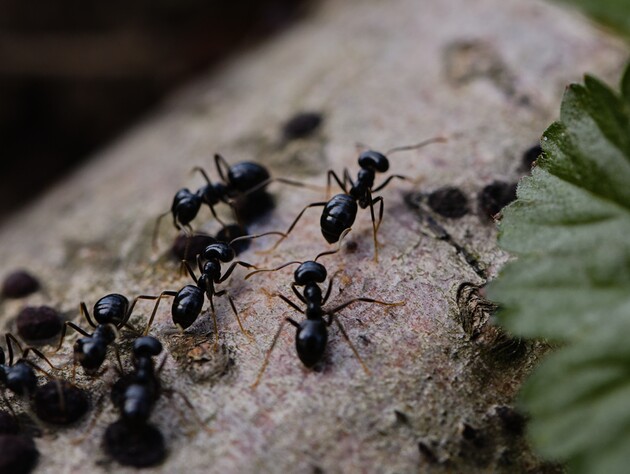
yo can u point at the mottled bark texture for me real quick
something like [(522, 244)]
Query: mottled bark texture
[(487, 74)]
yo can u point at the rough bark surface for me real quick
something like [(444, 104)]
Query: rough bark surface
[(489, 75)]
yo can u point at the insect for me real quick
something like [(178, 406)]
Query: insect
[(188, 301), (57, 401), (341, 210), (111, 313), (311, 334), (243, 180), (132, 440)]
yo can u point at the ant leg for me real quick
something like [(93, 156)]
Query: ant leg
[(214, 322), (218, 161), (240, 325), (290, 303), (290, 182), (376, 225), (8, 405), (156, 229), (347, 177), (342, 184), (169, 392), (331, 252), (297, 293), (155, 308), (190, 270), (268, 354), (365, 300), (86, 314), (11, 339), (231, 268), (423, 143), (120, 366), (330, 285), (286, 234), (386, 182), (64, 330), (345, 335)]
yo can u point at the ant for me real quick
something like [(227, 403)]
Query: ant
[(111, 313), (341, 210), (132, 440), (188, 301), (57, 401), (243, 179), (312, 333)]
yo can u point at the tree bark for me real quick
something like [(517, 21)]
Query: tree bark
[(488, 75)]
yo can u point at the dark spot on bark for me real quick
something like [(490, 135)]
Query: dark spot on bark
[(427, 452), (449, 202), (495, 197), (301, 125), (352, 246), (18, 284), (530, 156), (8, 423), (141, 446), (37, 323), (232, 231), (401, 417), (18, 454), (188, 247), (60, 403), (469, 433), (511, 420)]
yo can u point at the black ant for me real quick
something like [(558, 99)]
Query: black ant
[(57, 401), (132, 440), (111, 313), (188, 301), (312, 333), (341, 210), (237, 181)]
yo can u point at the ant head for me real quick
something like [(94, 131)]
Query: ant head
[(373, 160), (219, 251), (308, 272), (185, 206), (146, 346)]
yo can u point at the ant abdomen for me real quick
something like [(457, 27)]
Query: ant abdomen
[(187, 305), (338, 215), (111, 309), (310, 341)]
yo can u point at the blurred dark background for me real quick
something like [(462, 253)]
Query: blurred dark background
[(74, 74)]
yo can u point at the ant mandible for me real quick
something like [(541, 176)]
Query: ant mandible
[(341, 210), (188, 301), (311, 334), (111, 313), (243, 179)]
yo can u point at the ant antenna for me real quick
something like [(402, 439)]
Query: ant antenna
[(330, 252), (417, 145), (294, 262), (254, 236)]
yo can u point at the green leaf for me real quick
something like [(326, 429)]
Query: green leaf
[(614, 13), (570, 228)]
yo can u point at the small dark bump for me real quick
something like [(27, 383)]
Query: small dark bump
[(495, 197), (427, 452), (141, 446), (188, 247), (8, 423), (530, 156), (232, 231), (449, 202), (38, 323), (511, 420), (301, 125), (60, 403), (401, 417), (18, 454), (352, 246), (469, 433), (18, 284)]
